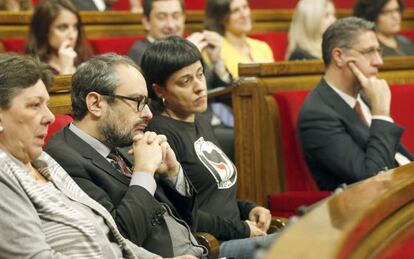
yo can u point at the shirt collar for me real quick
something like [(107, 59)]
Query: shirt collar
[(93, 142), (351, 101)]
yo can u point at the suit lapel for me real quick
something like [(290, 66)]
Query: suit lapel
[(356, 128), (88, 152)]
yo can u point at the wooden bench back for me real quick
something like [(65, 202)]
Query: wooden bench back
[(257, 129), (122, 23)]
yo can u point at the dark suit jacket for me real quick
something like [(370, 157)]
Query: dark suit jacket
[(338, 146), (137, 213)]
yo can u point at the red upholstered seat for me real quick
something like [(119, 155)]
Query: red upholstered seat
[(14, 45), (121, 5), (402, 111), (408, 33), (277, 40), (299, 184), (195, 4), (61, 120), (300, 188), (119, 45)]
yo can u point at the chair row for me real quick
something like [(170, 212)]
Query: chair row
[(266, 105), (121, 23), (277, 40)]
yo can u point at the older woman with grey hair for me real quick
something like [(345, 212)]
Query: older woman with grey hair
[(44, 214)]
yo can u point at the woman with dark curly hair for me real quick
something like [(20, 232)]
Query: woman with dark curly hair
[(56, 36), (387, 15)]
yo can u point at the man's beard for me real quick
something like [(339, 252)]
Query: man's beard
[(111, 133)]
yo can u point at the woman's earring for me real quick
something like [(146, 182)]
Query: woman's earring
[(163, 101), (1, 129)]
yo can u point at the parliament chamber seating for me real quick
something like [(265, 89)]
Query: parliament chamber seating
[(277, 40), (263, 136), (300, 187), (119, 45), (369, 219)]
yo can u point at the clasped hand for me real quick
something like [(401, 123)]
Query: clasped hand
[(152, 153)]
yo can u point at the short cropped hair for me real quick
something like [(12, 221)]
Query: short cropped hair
[(370, 10), (147, 6), (96, 75), (164, 58), (19, 72), (342, 34)]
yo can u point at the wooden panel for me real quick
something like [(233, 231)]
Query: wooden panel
[(123, 23), (363, 221), (60, 102), (257, 141)]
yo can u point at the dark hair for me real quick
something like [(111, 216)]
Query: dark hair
[(99, 75), (217, 12), (371, 9), (38, 39), (342, 34), (164, 58), (17, 73), (147, 6)]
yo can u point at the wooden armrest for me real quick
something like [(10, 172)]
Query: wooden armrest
[(277, 224), (210, 242)]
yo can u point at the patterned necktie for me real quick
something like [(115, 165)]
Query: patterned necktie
[(119, 163), (358, 110)]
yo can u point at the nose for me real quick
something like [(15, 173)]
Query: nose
[(377, 60), (200, 84), (170, 21), (73, 33), (48, 117), (146, 113)]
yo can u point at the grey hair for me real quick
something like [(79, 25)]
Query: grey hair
[(19, 72), (96, 75), (342, 34)]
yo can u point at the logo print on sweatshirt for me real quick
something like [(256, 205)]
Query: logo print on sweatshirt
[(217, 163)]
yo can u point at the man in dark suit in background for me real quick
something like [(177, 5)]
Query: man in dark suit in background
[(348, 137)]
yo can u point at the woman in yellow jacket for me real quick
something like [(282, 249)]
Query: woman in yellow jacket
[(231, 18)]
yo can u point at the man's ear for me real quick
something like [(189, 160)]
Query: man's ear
[(95, 104), (158, 90), (339, 58), (146, 23)]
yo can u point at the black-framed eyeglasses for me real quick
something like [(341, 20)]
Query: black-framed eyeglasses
[(140, 100)]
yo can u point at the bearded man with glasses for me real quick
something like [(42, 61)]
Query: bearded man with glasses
[(344, 126), (138, 183)]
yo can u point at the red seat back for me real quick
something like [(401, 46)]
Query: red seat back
[(402, 111), (121, 5), (296, 171), (277, 40), (119, 45), (408, 33), (14, 45), (61, 120)]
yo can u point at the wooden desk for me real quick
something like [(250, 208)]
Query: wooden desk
[(368, 220)]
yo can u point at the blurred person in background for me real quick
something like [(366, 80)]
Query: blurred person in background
[(232, 20), (310, 20), (56, 36), (387, 15), (16, 5)]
